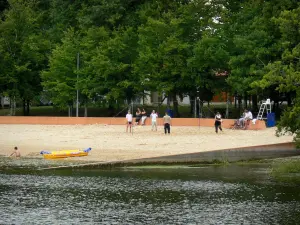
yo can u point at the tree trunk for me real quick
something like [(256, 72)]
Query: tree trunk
[(168, 101), (192, 105), (69, 110), (239, 103), (175, 104), (24, 107), (200, 105), (11, 106), (111, 109), (245, 100), (227, 106), (289, 99), (254, 103), (235, 101), (85, 111), (27, 107), (14, 106)]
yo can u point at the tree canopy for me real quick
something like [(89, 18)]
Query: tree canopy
[(171, 47)]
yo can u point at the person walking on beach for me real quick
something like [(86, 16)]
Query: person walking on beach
[(128, 121), (137, 116), (16, 153), (144, 116), (167, 123), (218, 122), (153, 120)]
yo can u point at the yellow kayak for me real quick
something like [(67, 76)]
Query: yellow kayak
[(65, 153)]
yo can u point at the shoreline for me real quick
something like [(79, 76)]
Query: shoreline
[(35, 165)]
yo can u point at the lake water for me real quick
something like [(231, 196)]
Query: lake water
[(176, 195)]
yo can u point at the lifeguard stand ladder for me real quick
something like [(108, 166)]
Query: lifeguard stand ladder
[(266, 105)]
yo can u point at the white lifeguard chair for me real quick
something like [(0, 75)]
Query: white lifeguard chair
[(266, 105)]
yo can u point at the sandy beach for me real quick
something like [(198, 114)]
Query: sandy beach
[(112, 143)]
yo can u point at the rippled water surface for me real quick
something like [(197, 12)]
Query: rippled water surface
[(207, 195)]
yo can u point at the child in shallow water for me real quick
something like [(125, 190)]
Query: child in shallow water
[(16, 153)]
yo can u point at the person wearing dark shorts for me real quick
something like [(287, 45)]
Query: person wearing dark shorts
[(138, 116), (167, 123), (128, 121), (218, 122)]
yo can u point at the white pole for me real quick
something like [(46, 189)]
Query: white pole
[(198, 98), (200, 114), (195, 107), (77, 94)]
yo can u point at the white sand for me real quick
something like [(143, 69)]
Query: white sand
[(111, 143)]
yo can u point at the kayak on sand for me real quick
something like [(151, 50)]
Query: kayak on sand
[(65, 153)]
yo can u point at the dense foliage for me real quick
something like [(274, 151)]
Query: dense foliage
[(173, 47)]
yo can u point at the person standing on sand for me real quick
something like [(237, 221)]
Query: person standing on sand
[(218, 122), (167, 123), (16, 153), (144, 117), (138, 116), (128, 121), (153, 120)]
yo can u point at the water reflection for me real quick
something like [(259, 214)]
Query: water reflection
[(212, 195)]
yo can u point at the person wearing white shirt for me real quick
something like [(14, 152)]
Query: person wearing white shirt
[(153, 120), (218, 122), (144, 116), (247, 115), (129, 121)]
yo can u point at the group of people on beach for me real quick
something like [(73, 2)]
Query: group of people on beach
[(142, 115), (246, 117), (242, 122)]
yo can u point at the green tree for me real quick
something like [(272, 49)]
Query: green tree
[(113, 66), (166, 46), (254, 41), (23, 51), (90, 85), (60, 80), (209, 61), (284, 73)]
